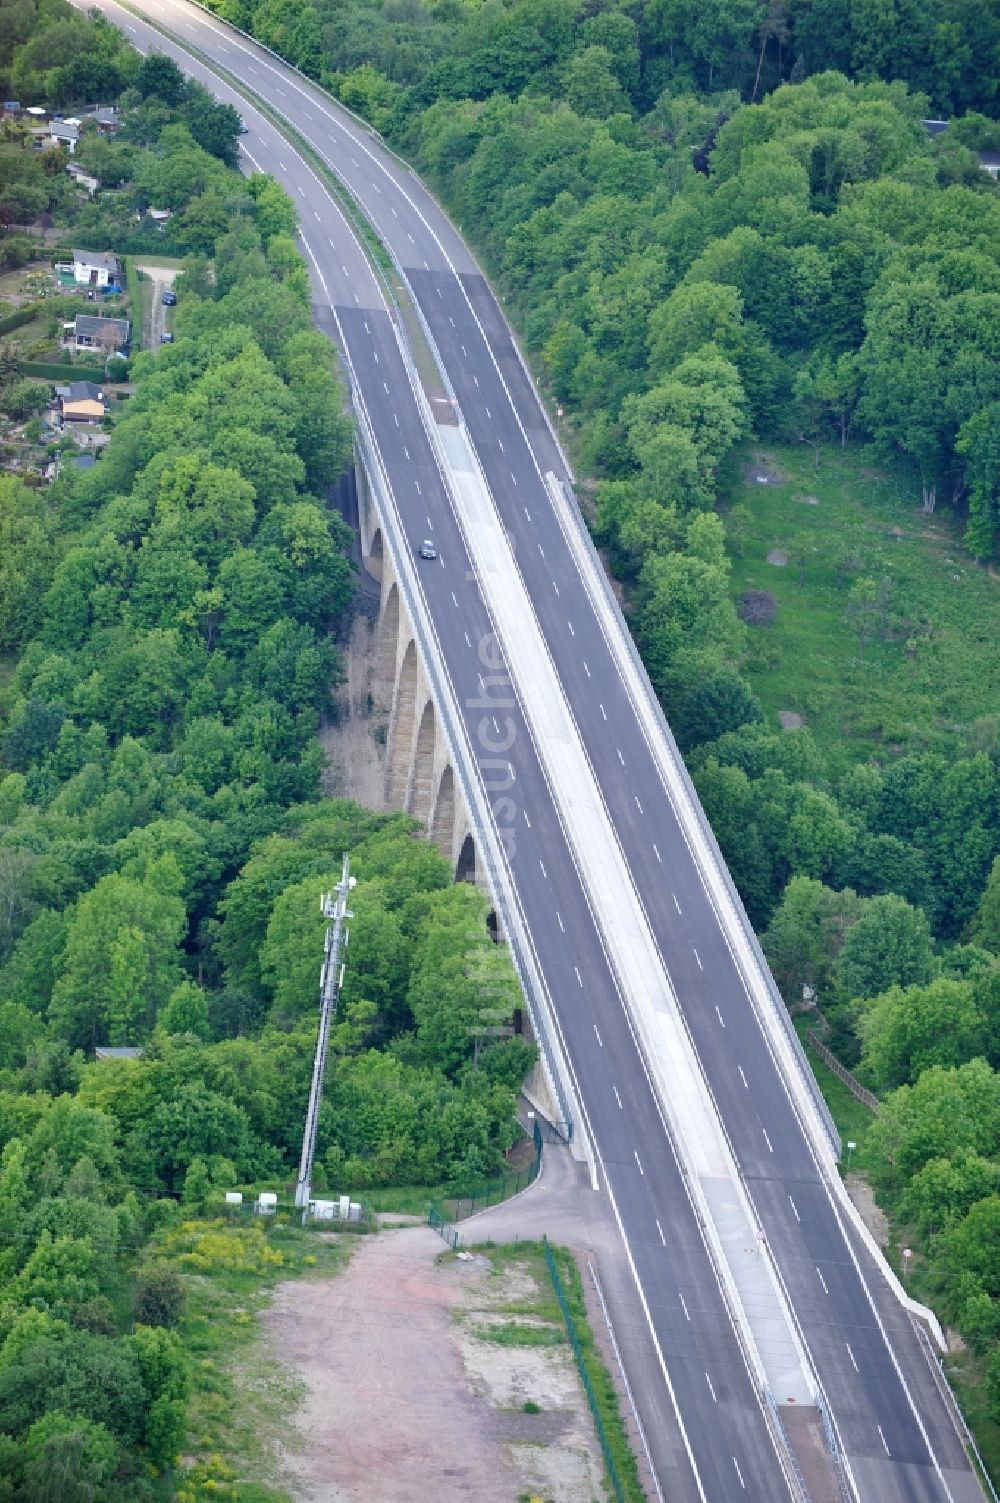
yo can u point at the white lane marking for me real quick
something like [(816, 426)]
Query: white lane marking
[(853, 1362), (555, 587), (376, 187), (680, 1296), (385, 387), (794, 1208), (514, 478), (710, 1388), (315, 263), (637, 803), (676, 904), (395, 211), (453, 598), (525, 812), (468, 641), (822, 1281), (603, 711), (282, 165), (396, 420), (742, 1076), (426, 267), (585, 668), (739, 1474), (883, 1440), (406, 451), (698, 959), (465, 352), (485, 408), (475, 378), (541, 550), (559, 921), (542, 865), (767, 1140), (316, 216), (722, 1021), (639, 1162), (660, 1230), (438, 291), (656, 853), (375, 353), (365, 322), (417, 484), (527, 513), (573, 634), (344, 269), (355, 161), (598, 1036), (578, 976), (500, 442), (620, 757), (451, 320), (618, 1098)]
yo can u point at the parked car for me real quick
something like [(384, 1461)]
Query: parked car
[(427, 549), (169, 298)]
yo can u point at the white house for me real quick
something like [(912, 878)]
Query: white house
[(83, 179), (92, 332), (96, 269), (64, 133)]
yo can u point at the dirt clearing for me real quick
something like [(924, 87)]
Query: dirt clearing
[(429, 1376)]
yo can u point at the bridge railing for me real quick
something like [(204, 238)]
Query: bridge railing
[(487, 840)]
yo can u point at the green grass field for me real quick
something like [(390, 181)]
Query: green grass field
[(931, 675)]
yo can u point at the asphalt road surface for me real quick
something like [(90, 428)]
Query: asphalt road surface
[(699, 1404)]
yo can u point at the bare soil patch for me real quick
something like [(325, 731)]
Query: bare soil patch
[(408, 1395), (758, 607), (874, 1218), (764, 469), (808, 500), (778, 557), (790, 720), (354, 742)]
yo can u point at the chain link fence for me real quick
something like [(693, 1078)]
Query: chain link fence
[(574, 1339)]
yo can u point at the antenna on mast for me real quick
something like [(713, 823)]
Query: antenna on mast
[(334, 906)]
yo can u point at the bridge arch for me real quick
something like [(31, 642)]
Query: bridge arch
[(422, 780), (401, 730), (376, 555), (443, 813), (387, 646), (465, 867)]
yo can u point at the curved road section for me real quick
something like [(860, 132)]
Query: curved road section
[(696, 1336)]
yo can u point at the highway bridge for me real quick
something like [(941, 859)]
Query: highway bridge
[(771, 1352)]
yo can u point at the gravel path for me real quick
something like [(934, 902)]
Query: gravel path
[(161, 278)]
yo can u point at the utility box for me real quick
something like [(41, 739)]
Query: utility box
[(234, 1197), (266, 1203)]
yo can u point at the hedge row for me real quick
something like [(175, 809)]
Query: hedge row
[(61, 373), (19, 319)]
